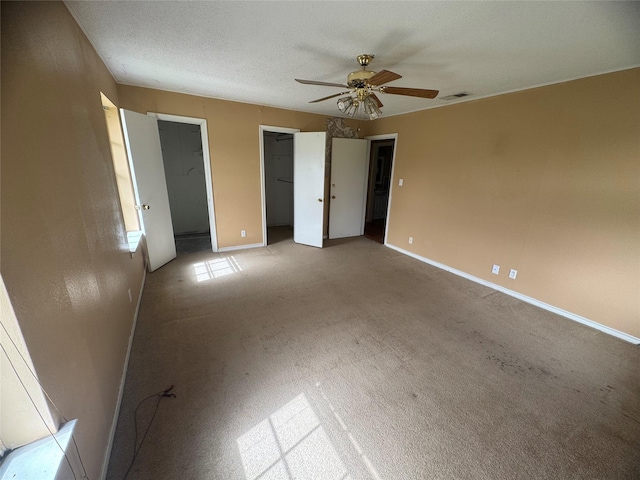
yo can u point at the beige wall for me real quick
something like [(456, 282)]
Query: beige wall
[(234, 146), (64, 253), (546, 181), (23, 405)]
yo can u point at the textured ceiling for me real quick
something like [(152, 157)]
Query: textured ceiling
[(252, 51)]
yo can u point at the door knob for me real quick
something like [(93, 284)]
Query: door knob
[(320, 200), (144, 206), (333, 196)]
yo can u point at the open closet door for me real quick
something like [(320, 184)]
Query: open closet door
[(308, 187), (147, 169), (349, 175)]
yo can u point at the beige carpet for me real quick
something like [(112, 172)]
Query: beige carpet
[(357, 362)]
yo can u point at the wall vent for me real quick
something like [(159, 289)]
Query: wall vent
[(457, 95)]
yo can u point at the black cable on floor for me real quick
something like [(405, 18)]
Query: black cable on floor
[(136, 448)]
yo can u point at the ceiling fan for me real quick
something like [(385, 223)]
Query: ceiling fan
[(363, 84)]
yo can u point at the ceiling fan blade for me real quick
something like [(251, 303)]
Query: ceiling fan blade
[(325, 84), (411, 92), (382, 77), (330, 96), (376, 99)]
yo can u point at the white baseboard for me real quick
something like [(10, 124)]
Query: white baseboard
[(114, 423), (524, 298), (240, 247)]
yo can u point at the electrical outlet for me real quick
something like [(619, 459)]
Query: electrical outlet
[(513, 273), (400, 182), (410, 240), (496, 269), (243, 233)]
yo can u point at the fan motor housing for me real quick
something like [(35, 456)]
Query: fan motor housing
[(358, 79)]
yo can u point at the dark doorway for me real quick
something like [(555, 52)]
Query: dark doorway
[(379, 187), (278, 184), (184, 173)]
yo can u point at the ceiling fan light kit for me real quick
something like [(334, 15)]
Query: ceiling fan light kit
[(344, 104), (363, 84), (371, 109)]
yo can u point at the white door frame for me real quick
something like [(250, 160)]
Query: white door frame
[(387, 136), (208, 180), (262, 129)]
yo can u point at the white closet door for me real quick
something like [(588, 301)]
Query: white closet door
[(348, 187), (308, 187), (143, 146)]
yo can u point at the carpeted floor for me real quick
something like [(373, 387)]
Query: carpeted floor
[(356, 362), (193, 243), (279, 234)]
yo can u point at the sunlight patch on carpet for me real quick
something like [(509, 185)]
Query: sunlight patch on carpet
[(216, 268), (290, 444)]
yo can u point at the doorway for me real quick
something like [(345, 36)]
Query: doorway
[(379, 188), (185, 155), (296, 173), (276, 153), (184, 172)]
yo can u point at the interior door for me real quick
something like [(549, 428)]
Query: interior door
[(143, 146), (349, 179), (308, 187)]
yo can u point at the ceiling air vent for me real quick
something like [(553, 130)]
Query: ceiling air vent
[(457, 95)]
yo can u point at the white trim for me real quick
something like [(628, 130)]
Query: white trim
[(263, 199), (384, 136), (133, 239), (394, 137), (42, 459), (524, 298), (114, 423), (206, 158), (240, 247)]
